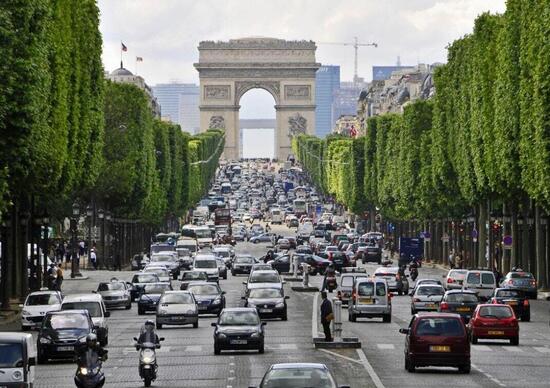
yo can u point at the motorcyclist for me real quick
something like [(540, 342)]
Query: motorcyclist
[(329, 273), (90, 344), (148, 335)]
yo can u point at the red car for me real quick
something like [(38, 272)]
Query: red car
[(437, 339), (494, 321)]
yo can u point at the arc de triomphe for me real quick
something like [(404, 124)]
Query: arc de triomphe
[(286, 69)]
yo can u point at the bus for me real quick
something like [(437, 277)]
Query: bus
[(299, 207), (202, 234), (226, 188)]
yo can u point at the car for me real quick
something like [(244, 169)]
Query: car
[(139, 280), (515, 299), (293, 223), (494, 321), (339, 259), (61, 332), (270, 302), (242, 264), (208, 264), (299, 375), (520, 280), (371, 299), (304, 249), (396, 283), (420, 282), (481, 281), (209, 297), (461, 302), (95, 306), (36, 305), (262, 238), (238, 329), (455, 278), (18, 359), (281, 263), (239, 234), (261, 267), (283, 244), (346, 284), (115, 294), (169, 260), (427, 298), (161, 271), (177, 308), (192, 276), (150, 296), (222, 268), (263, 279), (437, 339)]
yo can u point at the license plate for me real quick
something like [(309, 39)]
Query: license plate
[(177, 318), (440, 348), (266, 310), (203, 308), (512, 303), (238, 342), (366, 301), (430, 305), (65, 348), (463, 309), (495, 332)]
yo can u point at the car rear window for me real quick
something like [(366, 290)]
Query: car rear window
[(461, 298), (380, 289), (508, 294), (448, 327), (430, 290), (487, 278), (347, 281), (365, 289), (474, 278), (495, 312), (521, 275)]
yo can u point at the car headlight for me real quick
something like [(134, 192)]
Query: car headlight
[(82, 340), (217, 301), (222, 336), (280, 305), (255, 335), (162, 312), (83, 371), (25, 312), (191, 312), (45, 340)]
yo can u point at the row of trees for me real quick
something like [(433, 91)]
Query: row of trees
[(480, 149)]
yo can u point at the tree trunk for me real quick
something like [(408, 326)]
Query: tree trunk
[(525, 262), (515, 235), (539, 249), (482, 240)]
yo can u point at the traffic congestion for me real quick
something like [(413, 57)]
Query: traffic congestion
[(211, 305)]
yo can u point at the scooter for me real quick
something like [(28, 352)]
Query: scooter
[(331, 283), (88, 373), (413, 269), (147, 361)]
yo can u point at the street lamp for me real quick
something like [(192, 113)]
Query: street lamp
[(101, 216), (46, 245), (74, 230), (108, 238), (89, 214)]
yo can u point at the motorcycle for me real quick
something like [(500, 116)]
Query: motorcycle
[(147, 361), (331, 283), (88, 373), (413, 269)]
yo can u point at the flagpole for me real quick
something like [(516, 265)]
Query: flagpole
[(120, 53)]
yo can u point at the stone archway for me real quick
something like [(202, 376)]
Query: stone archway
[(286, 69)]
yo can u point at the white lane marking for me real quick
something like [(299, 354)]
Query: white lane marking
[(193, 348), (314, 324), (385, 346), (482, 348), (541, 349), (512, 349), (494, 380), (288, 347), (370, 370), (341, 356)]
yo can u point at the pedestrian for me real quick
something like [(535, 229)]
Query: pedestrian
[(81, 248), (93, 258), (451, 259), (326, 316), (118, 262), (59, 280), (52, 273)]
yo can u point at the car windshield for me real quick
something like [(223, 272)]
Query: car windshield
[(42, 299), (461, 298), (158, 258), (205, 264), (495, 312), (157, 288), (244, 260), (204, 289), (223, 253), (298, 378), (94, 308), (114, 286), (194, 276), (145, 278), (66, 321), (384, 274), (449, 327), (177, 299), (237, 318), (11, 355), (158, 271), (263, 293), (508, 294), (430, 290), (264, 278)]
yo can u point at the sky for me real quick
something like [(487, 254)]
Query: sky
[(166, 33)]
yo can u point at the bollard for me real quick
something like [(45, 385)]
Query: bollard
[(295, 266), (305, 273), (337, 323)]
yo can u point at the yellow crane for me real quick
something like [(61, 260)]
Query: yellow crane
[(355, 44)]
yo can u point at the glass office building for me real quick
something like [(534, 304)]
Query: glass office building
[(327, 83), (180, 104)]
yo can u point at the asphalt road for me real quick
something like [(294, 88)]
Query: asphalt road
[(187, 358)]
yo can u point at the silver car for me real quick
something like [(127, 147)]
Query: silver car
[(427, 297), (115, 294), (371, 299), (455, 278), (177, 308)]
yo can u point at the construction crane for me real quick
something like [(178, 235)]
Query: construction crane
[(356, 46)]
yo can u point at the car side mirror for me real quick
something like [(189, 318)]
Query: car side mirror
[(107, 314), (214, 324), (283, 282), (264, 323), (287, 297), (223, 292), (245, 283), (32, 361), (404, 331), (243, 298), (94, 292), (161, 339), (135, 339)]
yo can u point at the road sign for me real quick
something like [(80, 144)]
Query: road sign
[(507, 242), (475, 235), (427, 236)]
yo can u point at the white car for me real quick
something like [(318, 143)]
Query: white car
[(162, 272), (208, 264), (427, 297), (263, 279), (177, 308), (97, 310), (36, 305)]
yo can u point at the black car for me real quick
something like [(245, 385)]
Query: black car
[(209, 297), (340, 260), (238, 329), (281, 263), (139, 281), (462, 302), (61, 332), (269, 302), (372, 253), (192, 276), (517, 299), (150, 295), (242, 265), (317, 264), (293, 223)]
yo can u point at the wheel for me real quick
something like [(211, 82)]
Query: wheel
[(175, 277), (352, 317), (216, 349), (526, 317), (225, 276), (105, 341), (284, 317), (261, 349), (409, 365), (41, 358), (413, 311), (140, 311), (399, 292), (147, 381), (386, 318), (232, 273), (474, 339), (363, 261), (465, 368), (159, 326), (196, 325), (514, 341), (128, 306)]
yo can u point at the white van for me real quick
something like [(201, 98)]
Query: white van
[(277, 216), (481, 281), (18, 360), (97, 310)]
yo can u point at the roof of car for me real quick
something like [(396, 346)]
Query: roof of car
[(66, 312), (45, 292), (261, 271), (15, 337), (431, 314), (461, 292), (236, 309), (83, 298), (296, 365), (177, 292)]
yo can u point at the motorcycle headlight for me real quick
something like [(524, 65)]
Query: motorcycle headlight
[(147, 356), (83, 371), (280, 305), (45, 340)]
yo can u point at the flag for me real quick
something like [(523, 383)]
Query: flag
[(124, 48), (139, 59), (353, 131)]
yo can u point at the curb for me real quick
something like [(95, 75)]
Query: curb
[(344, 343), (76, 278), (305, 289)]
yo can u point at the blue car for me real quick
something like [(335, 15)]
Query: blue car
[(150, 295)]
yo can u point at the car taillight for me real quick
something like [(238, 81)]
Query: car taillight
[(494, 301), (353, 295), (526, 303), (510, 281), (533, 283), (444, 306), (449, 280)]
